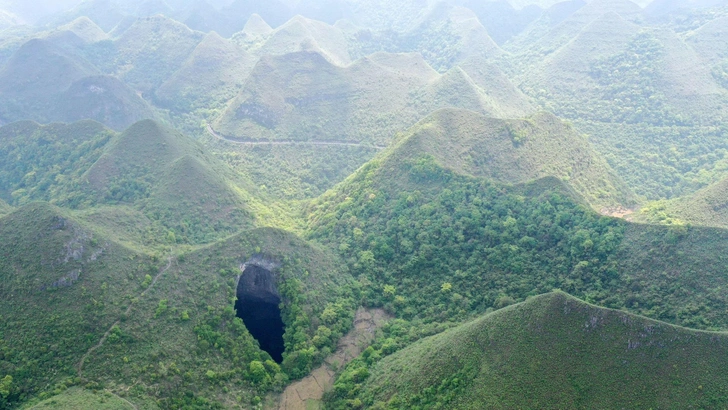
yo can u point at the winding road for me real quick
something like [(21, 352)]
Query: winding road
[(320, 143)]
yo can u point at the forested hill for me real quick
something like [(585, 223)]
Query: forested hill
[(219, 204)]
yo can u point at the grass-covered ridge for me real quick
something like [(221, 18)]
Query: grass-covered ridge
[(515, 151), (551, 351), (302, 96)]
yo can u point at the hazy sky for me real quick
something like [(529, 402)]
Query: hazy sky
[(32, 10)]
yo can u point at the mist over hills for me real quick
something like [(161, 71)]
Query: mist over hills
[(348, 204)]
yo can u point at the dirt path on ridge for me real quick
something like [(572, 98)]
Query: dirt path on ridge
[(306, 394), (126, 313)]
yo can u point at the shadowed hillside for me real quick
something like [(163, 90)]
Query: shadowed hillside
[(152, 49), (34, 75)]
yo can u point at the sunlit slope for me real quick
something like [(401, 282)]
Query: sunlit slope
[(418, 219), (63, 286), (555, 351), (84, 28), (171, 179), (516, 151), (212, 75), (82, 399), (302, 96), (706, 207)]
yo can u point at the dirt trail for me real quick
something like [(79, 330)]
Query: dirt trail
[(334, 143), (306, 394), (126, 313)]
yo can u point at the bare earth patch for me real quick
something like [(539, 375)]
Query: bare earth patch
[(306, 394)]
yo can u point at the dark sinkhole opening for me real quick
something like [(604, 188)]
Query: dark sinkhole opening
[(257, 305)]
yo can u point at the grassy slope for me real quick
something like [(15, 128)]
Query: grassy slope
[(77, 398), (34, 75), (709, 40), (404, 220), (152, 49), (291, 172), (84, 165), (516, 151), (85, 29), (63, 286), (555, 351), (299, 34), (302, 96), (627, 88), (105, 99), (706, 207), (211, 76), (4, 208), (170, 178)]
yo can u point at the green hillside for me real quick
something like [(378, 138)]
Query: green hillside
[(552, 351), (413, 227), (638, 93), (515, 151), (53, 159), (99, 311), (36, 73), (4, 208), (63, 287), (172, 191), (212, 75), (303, 96), (189, 309), (77, 398), (293, 171), (706, 207), (169, 177), (201, 201), (85, 29), (301, 34), (104, 99), (151, 50)]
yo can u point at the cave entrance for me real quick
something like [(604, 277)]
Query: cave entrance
[(257, 305)]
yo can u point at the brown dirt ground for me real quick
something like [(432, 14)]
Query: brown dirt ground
[(306, 394)]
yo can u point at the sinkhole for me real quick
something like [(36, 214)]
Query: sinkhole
[(257, 305)]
